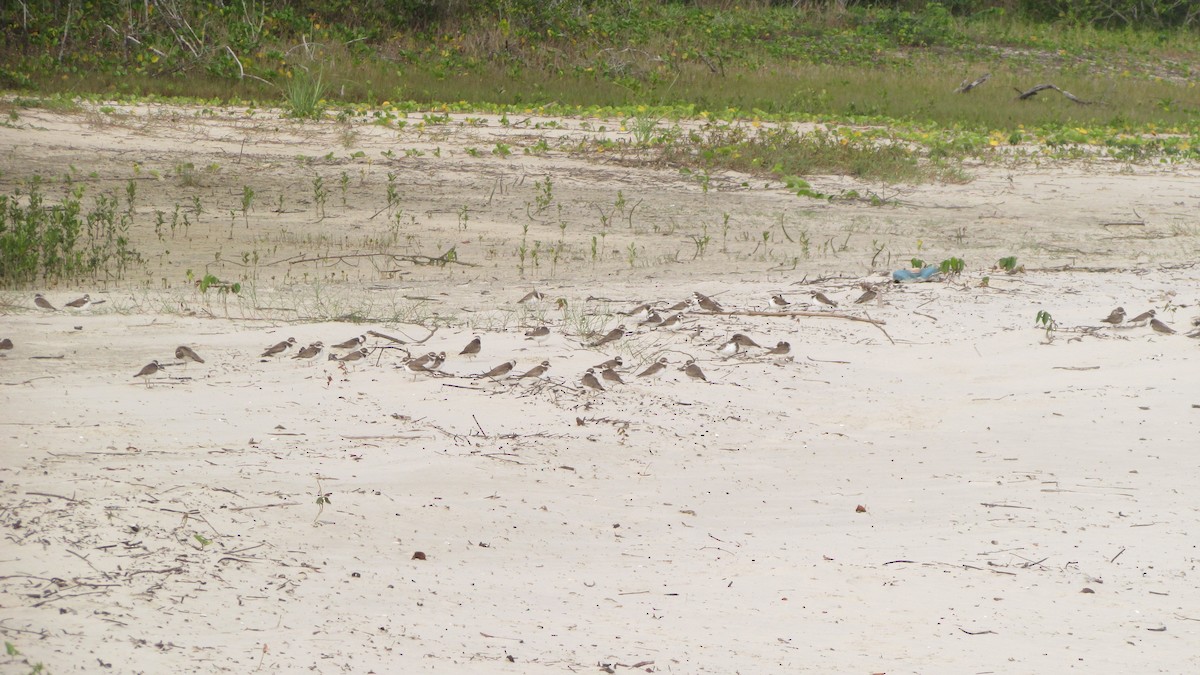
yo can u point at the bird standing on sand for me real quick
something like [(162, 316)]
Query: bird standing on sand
[(185, 354), (500, 370), (654, 369), (1160, 327), (589, 380), (309, 351), (614, 362), (778, 301), (148, 370), (1115, 317), (612, 336), (352, 343), (279, 348), (780, 348), (535, 296), (1144, 316), (80, 303), (867, 296), (354, 356), (43, 302), (538, 334), (611, 375), (707, 304), (730, 348), (823, 299), (536, 371), (472, 348), (693, 371)]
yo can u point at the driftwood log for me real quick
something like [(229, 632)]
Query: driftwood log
[(968, 86), (1025, 95)]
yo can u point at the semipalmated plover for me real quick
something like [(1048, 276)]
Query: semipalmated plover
[(612, 336), (652, 319), (693, 371), (536, 371), (80, 303), (744, 340), (681, 305), (1116, 317), (353, 356), (352, 343), (533, 296), (148, 370), (1160, 327), (280, 347), (730, 348), (611, 375), (823, 299), (538, 334), (43, 302), (1144, 316), (780, 348), (185, 354), (706, 303), (500, 370), (674, 321), (589, 380), (472, 348), (654, 369), (309, 351), (778, 300), (614, 362), (867, 296)]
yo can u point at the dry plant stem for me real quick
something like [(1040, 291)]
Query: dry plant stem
[(823, 315), (414, 259)]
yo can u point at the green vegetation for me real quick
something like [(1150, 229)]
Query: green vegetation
[(898, 60), (41, 242)]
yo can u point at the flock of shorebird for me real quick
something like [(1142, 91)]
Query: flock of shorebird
[(599, 377)]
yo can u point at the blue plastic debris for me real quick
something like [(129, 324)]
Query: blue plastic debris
[(926, 273)]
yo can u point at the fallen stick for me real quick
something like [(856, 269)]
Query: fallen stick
[(825, 315)]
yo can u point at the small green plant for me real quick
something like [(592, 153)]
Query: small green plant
[(320, 194), (917, 263), (631, 254), (1008, 264), (323, 500), (203, 540), (643, 128), (393, 194), (544, 193), (464, 215), (247, 203), (344, 184), (802, 188), (502, 150), (1045, 321), (186, 173), (701, 242), (952, 267)]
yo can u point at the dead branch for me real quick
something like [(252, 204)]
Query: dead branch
[(968, 86), (442, 260), (1024, 95), (823, 315)]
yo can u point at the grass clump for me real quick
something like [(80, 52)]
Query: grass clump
[(60, 242), (305, 93)]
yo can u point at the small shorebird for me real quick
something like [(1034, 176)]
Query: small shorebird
[(535, 296), (730, 348), (744, 340), (707, 304), (612, 336), (352, 356), (614, 362), (352, 343), (472, 348), (185, 354), (611, 375), (867, 296), (1116, 317), (654, 369), (681, 305), (279, 348), (778, 301), (80, 303), (823, 299), (693, 371), (499, 371), (639, 313), (780, 348), (536, 371), (675, 321), (309, 351), (1144, 316), (652, 319), (538, 334), (589, 380), (43, 302), (1160, 327), (148, 370)]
